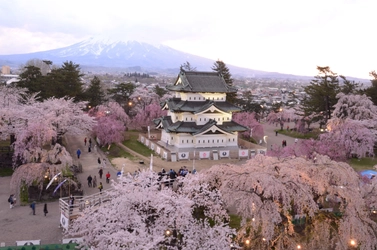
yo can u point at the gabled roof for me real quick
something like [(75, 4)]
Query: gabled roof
[(194, 129), (177, 105), (203, 82)]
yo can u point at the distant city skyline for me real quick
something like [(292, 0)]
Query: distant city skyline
[(290, 36)]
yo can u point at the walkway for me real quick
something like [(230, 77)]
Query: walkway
[(19, 224)]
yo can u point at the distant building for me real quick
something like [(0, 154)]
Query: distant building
[(8, 79), (5, 70), (199, 115)]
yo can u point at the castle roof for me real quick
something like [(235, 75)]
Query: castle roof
[(201, 82), (194, 129), (178, 105)]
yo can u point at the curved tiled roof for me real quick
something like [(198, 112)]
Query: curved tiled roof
[(177, 105), (204, 82), (193, 128)]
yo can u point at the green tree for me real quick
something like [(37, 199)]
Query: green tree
[(66, 81), (30, 79), (94, 94), (121, 94), (372, 90), (221, 68), (320, 95), (186, 67), (160, 91)]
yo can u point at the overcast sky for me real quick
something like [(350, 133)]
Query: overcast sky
[(291, 36)]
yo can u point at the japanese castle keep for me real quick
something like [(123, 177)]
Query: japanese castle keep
[(199, 117)]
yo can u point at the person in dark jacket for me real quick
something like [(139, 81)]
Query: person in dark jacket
[(45, 211)]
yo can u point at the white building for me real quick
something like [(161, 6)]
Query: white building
[(199, 115)]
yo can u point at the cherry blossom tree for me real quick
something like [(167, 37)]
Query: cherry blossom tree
[(355, 107), (291, 202), (111, 123), (145, 117), (248, 119), (143, 215), (353, 136), (141, 98), (47, 164), (36, 124)]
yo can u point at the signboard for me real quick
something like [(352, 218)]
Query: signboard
[(183, 155), (146, 142), (158, 150), (142, 139), (64, 221), (243, 153), (165, 155), (152, 146), (204, 155), (224, 153)]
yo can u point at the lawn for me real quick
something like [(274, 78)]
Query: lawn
[(133, 144), (363, 163), (312, 134), (115, 152)]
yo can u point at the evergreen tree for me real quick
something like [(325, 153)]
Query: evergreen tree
[(66, 81), (121, 94), (321, 94), (372, 90), (160, 91), (94, 94), (221, 68), (186, 67), (31, 79)]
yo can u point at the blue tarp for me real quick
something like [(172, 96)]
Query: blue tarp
[(369, 173)]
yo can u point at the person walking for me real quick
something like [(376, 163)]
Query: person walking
[(99, 162), (85, 141), (11, 200), (45, 211), (100, 187), (108, 177), (90, 142), (89, 181), (32, 206), (94, 181), (78, 152), (100, 172)]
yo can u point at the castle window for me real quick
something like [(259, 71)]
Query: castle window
[(217, 140), (223, 118), (222, 140), (192, 141), (205, 119), (187, 141), (186, 118), (199, 141), (227, 118), (233, 139), (200, 119), (190, 98), (217, 98), (194, 98), (191, 118), (208, 141), (213, 141), (229, 139), (182, 141)]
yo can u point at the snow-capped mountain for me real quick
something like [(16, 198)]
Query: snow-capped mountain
[(104, 52)]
